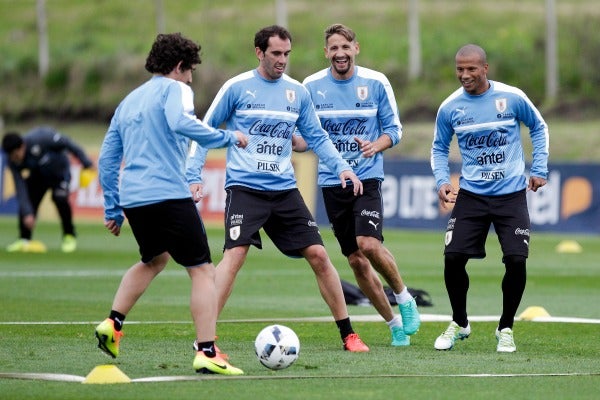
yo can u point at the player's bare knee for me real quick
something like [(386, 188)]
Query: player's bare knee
[(317, 256), (159, 262), (360, 264), (369, 246)]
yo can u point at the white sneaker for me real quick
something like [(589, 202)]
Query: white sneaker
[(446, 340), (506, 341)]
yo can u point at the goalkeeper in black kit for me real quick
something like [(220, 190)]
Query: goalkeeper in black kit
[(39, 162)]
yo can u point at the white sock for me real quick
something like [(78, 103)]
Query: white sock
[(396, 321), (403, 297)]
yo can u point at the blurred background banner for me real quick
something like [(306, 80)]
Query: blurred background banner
[(8, 201), (570, 202), (86, 202)]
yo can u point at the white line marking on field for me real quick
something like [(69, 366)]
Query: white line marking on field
[(93, 273), (80, 379), (264, 377), (357, 318), (42, 377)]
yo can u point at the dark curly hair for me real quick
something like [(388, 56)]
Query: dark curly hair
[(168, 50), (261, 38), (11, 141)]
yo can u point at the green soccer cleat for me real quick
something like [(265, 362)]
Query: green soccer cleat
[(69, 244), (454, 332), (399, 338), (108, 337), (214, 365), (411, 320)]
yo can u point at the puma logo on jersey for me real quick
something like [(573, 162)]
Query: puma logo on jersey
[(321, 93), (374, 224), (253, 94)]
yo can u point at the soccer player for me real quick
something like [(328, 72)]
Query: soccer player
[(260, 183), (486, 117), (150, 132), (357, 107), (44, 153)]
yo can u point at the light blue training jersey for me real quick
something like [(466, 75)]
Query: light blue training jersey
[(268, 112), (363, 106), (488, 130), (150, 134)]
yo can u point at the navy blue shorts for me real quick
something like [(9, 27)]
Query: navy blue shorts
[(473, 215), (173, 226), (351, 216), (282, 214)]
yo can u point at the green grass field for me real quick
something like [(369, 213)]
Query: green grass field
[(51, 303)]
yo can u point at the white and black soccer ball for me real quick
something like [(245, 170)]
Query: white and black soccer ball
[(277, 347)]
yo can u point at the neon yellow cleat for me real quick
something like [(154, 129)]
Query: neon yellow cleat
[(35, 246), (26, 246), (108, 337), (18, 245), (69, 244), (214, 365)]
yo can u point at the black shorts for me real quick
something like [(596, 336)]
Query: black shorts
[(173, 226), (38, 184), (282, 214), (351, 216), (473, 215)]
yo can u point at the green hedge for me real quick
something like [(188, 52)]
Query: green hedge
[(97, 49)]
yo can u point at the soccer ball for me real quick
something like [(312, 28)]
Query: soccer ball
[(277, 347)]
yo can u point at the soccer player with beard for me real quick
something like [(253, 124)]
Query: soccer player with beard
[(486, 117), (357, 107), (260, 183)]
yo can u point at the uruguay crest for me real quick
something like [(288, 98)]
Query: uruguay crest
[(291, 95), (234, 232), (362, 92), (501, 105), (448, 238)]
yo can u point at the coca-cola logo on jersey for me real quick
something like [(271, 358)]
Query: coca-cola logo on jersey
[(353, 126), (495, 138), (280, 129)]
